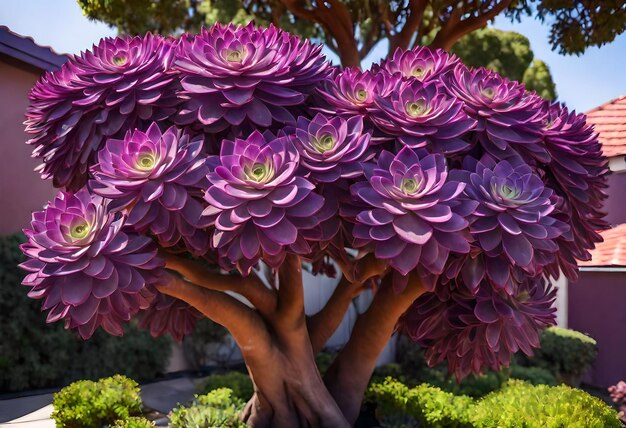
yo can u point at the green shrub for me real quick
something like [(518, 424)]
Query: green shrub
[(198, 345), (218, 408), (88, 404), (566, 353), (133, 422), (427, 404), (519, 404), (34, 354), (323, 360), (533, 375), (239, 383)]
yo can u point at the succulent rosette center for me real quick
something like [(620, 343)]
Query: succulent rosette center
[(410, 218), (331, 148), (88, 271), (259, 205)]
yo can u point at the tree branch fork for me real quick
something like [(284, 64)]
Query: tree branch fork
[(279, 342)]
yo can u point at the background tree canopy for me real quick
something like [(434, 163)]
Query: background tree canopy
[(351, 28), (508, 53)]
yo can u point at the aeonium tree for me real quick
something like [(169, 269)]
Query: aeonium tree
[(198, 175)]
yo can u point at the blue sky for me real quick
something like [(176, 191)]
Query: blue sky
[(582, 82)]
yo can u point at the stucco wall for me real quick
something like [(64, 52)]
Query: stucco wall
[(21, 189), (614, 205), (596, 307)]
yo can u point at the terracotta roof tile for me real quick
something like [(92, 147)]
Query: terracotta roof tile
[(610, 124), (611, 252)]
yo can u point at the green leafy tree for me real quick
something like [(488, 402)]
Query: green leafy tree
[(508, 53), (351, 28)]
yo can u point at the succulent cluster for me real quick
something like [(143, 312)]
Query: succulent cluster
[(240, 144)]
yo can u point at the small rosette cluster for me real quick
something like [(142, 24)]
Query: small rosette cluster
[(332, 148), (86, 268), (159, 178), (509, 118), (234, 76), (99, 94), (258, 203), (512, 223), (414, 216), (423, 114), (421, 63), (476, 330)]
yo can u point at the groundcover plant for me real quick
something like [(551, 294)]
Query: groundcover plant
[(219, 164)]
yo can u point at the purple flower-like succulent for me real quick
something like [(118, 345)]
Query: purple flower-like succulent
[(473, 331), (169, 315), (513, 214), (86, 268), (96, 95), (421, 63), (332, 148), (257, 202), (506, 113), (579, 172), (423, 114), (352, 91), (160, 177), (232, 74), (412, 211)]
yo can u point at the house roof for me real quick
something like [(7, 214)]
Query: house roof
[(25, 49), (610, 123), (611, 252)]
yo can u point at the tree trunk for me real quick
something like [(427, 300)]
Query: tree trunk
[(279, 346)]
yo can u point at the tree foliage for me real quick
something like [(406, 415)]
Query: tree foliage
[(353, 27), (508, 53)]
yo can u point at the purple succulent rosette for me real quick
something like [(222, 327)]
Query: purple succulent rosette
[(257, 203), (168, 315), (579, 176), (96, 95), (476, 330), (332, 148), (421, 63), (160, 177), (509, 117), (412, 209), (351, 92), (86, 268), (232, 74), (513, 215), (422, 115)]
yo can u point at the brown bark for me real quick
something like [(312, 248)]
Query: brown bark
[(335, 17), (348, 376), (279, 346), (455, 28)]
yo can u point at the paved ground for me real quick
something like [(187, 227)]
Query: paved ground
[(34, 411)]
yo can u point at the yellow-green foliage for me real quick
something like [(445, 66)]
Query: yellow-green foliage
[(88, 404), (218, 408), (521, 405), (133, 422), (517, 405), (239, 383)]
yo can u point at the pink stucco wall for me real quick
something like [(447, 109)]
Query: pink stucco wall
[(596, 307), (21, 189)]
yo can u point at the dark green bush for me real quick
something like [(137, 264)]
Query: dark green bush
[(88, 404), (566, 353), (533, 375), (218, 408), (34, 354), (200, 345), (239, 383), (133, 422), (519, 404)]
